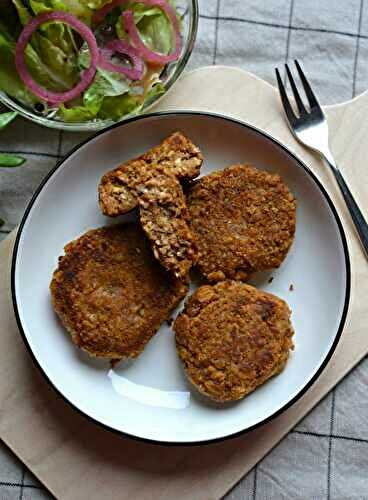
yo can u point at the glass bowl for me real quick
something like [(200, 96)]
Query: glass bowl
[(190, 13)]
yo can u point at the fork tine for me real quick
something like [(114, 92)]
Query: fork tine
[(284, 99), (297, 97), (312, 99)]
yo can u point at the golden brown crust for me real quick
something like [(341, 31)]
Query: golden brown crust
[(231, 338), (177, 153), (165, 219), (244, 220), (111, 294)]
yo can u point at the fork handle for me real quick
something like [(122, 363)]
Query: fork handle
[(355, 212)]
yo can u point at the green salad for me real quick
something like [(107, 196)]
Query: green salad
[(86, 60)]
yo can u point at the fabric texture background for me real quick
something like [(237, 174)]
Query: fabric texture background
[(326, 455)]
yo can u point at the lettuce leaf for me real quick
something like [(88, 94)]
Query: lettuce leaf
[(114, 108), (76, 114), (82, 9), (77, 8), (106, 84), (157, 90), (56, 75), (111, 108), (154, 27), (6, 118), (7, 160), (62, 70), (23, 13), (10, 82), (59, 34)]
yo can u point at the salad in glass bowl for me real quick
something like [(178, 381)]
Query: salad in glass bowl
[(84, 64)]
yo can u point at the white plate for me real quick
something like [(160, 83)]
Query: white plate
[(149, 398)]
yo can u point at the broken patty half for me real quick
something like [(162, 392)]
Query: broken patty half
[(164, 217), (177, 153)]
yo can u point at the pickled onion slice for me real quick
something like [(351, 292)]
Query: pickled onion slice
[(86, 77), (130, 27), (132, 30)]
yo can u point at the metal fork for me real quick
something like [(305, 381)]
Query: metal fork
[(311, 129)]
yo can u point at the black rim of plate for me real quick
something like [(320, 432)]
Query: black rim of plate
[(300, 164)]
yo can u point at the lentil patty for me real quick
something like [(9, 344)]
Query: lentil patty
[(110, 292), (244, 220), (231, 338)]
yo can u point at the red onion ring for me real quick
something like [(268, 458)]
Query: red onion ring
[(87, 76), (132, 30), (145, 52), (122, 47)]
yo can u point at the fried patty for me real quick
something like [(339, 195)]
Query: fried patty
[(231, 338), (165, 219), (244, 220), (110, 292), (177, 153)]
